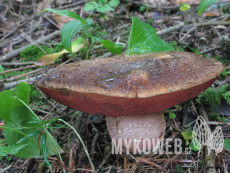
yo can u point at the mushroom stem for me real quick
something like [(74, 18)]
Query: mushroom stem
[(137, 133)]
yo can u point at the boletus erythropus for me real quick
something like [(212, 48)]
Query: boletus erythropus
[(131, 91)]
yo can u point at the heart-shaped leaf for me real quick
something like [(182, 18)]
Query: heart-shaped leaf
[(143, 39), (21, 117), (23, 92)]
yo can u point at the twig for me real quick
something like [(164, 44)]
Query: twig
[(212, 23), (154, 7), (17, 69), (105, 158), (6, 86), (93, 145), (78, 121), (204, 52), (148, 162), (17, 63), (31, 41), (52, 22), (61, 164), (12, 54), (170, 29), (20, 76), (72, 4)]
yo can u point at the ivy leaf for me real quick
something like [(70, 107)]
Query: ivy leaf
[(143, 39), (204, 4)]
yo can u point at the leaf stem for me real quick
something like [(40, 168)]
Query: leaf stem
[(79, 137)]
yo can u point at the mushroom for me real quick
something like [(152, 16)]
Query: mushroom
[(129, 89)]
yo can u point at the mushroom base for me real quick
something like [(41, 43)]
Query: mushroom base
[(136, 134)]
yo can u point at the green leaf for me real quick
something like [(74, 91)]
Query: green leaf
[(66, 13), (112, 47), (142, 8), (30, 135), (103, 8), (21, 117), (4, 150), (114, 3), (90, 6), (172, 115), (227, 144), (204, 4), (44, 138), (102, 1), (23, 92), (6, 105), (69, 30), (185, 7), (5, 94), (195, 145), (188, 135), (1, 68), (143, 39)]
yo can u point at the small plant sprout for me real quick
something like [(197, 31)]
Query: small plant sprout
[(185, 7)]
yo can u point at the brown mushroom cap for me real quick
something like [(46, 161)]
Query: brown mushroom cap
[(131, 85)]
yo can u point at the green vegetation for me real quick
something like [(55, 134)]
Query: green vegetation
[(33, 53), (172, 115), (204, 4), (212, 97), (216, 117), (101, 6)]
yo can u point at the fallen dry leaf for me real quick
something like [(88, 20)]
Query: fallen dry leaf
[(221, 27), (179, 2), (61, 20), (43, 5), (210, 14), (158, 3)]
